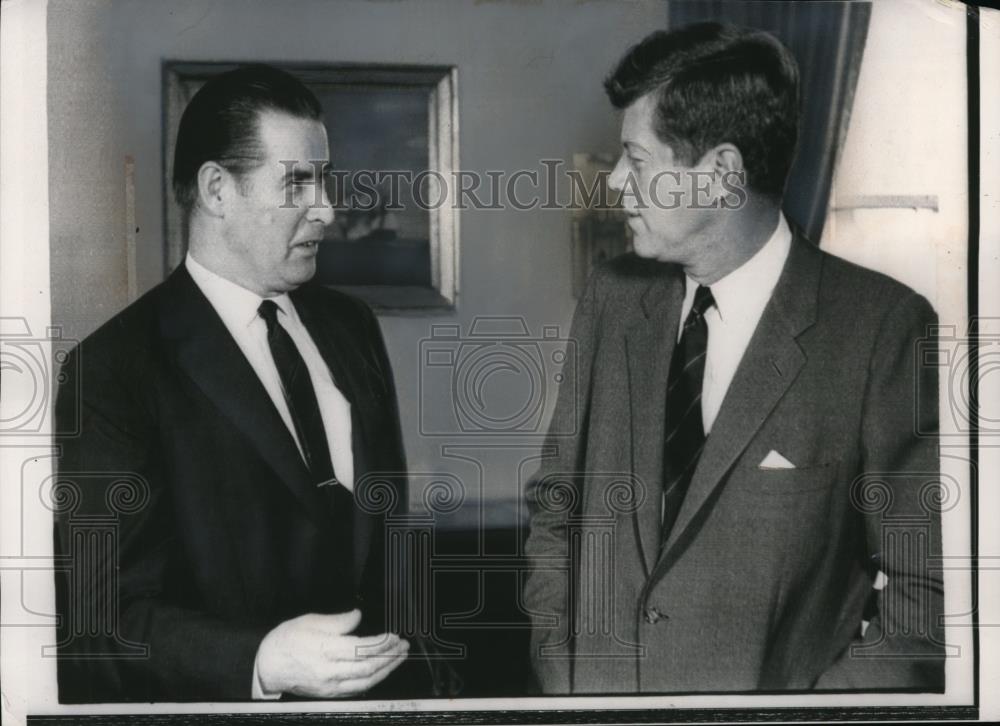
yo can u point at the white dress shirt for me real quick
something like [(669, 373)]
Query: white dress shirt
[(740, 299), (238, 308)]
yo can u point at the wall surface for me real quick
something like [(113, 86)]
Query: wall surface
[(907, 140), (529, 88)]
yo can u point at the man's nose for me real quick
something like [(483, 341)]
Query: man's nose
[(616, 180), (322, 210)]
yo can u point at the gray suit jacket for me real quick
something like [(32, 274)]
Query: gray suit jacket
[(767, 574)]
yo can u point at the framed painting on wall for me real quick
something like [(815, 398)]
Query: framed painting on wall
[(393, 133)]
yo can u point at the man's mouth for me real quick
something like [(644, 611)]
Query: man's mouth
[(309, 244)]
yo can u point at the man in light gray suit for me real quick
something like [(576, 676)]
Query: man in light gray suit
[(747, 503)]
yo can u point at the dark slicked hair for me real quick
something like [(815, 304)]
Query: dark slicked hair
[(717, 83), (220, 123)]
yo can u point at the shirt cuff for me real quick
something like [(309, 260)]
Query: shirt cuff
[(257, 691)]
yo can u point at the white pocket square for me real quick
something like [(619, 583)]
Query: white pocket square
[(774, 460)]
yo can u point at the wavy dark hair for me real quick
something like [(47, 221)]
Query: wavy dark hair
[(220, 123), (717, 83)]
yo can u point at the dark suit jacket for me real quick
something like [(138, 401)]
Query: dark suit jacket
[(767, 574), (217, 533)]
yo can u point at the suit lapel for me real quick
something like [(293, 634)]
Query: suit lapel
[(649, 345), (769, 366), (211, 358)]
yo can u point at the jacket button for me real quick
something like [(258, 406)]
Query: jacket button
[(653, 615)]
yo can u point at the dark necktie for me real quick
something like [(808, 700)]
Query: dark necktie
[(685, 433), (334, 593), (299, 395)]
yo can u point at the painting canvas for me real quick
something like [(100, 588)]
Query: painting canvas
[(385, 238)]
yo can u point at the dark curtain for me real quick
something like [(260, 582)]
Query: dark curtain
[(828, 40)]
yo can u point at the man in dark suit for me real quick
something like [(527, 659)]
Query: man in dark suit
[(746, 504), (229, 419)]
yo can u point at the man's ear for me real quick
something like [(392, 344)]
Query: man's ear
[(725, 159), (725, 163), (212, 183)]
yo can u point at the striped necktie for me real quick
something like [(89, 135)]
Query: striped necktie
[(685, 433)]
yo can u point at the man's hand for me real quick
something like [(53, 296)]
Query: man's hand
[(315, 656)]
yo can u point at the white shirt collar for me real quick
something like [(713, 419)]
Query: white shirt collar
[(236, 305), (744, 292)]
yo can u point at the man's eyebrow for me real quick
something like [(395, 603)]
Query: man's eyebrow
[(632, 146), (307, 172)]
